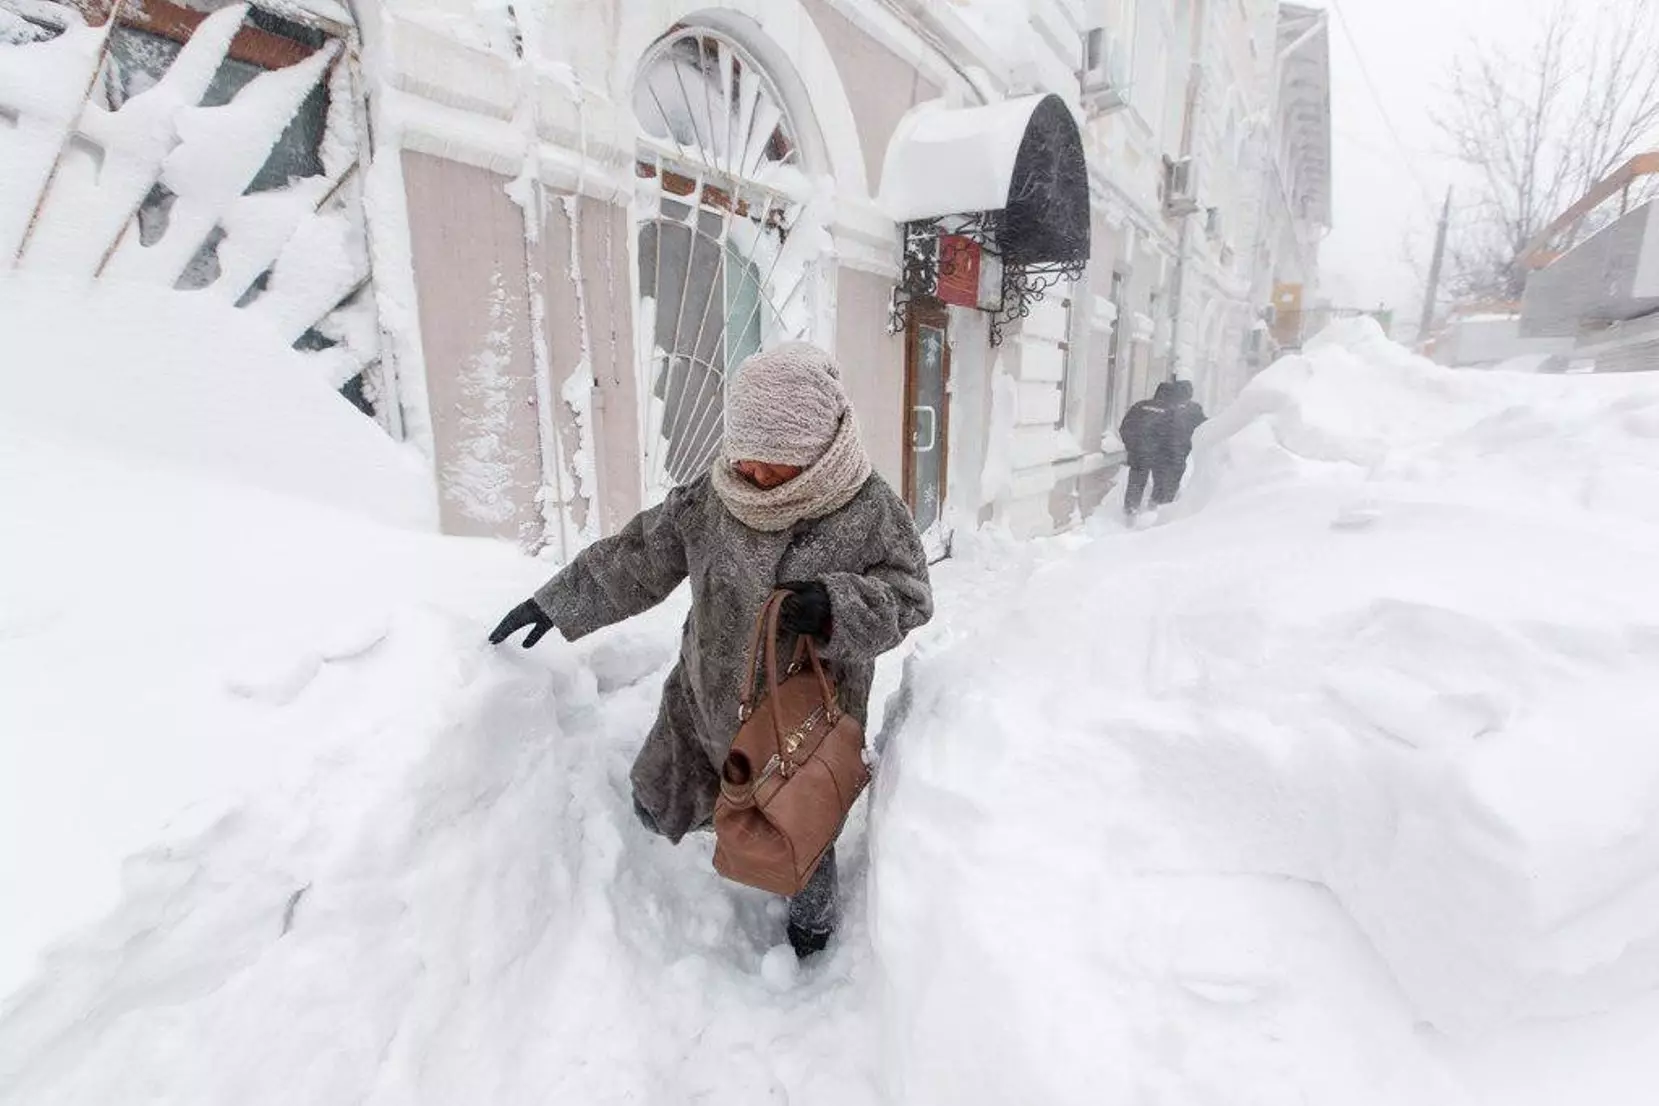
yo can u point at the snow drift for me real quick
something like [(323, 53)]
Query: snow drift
[(1397, 642), (275, 824), (279, 827), (155, 375), (1326, 790), (192, 540)]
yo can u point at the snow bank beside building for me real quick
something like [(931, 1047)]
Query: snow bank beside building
[(193, 519), (1397, 643), (1324, 791), (276, 825), (190, 381)]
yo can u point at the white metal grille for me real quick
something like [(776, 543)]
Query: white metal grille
[(722, 186)]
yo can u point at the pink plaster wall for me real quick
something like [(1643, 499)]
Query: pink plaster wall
[(881, 86), (468, 250), (473, 277)]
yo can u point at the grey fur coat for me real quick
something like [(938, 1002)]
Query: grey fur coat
[(867, 555)]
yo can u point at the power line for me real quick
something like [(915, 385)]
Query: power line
[(1376, 98)]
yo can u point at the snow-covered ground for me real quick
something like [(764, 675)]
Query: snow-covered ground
[(1338, 785)]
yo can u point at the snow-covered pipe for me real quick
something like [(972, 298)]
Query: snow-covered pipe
[(1189, 127)]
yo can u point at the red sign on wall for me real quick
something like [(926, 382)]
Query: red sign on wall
[(958, 270)]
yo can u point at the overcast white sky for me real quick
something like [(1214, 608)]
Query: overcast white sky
[(1387, 191)]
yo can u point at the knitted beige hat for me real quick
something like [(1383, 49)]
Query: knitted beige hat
[(784, 406)]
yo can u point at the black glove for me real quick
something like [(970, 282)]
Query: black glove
[(807, 611), (525, 614)]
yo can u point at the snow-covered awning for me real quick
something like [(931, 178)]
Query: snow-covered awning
[(1023, 158)]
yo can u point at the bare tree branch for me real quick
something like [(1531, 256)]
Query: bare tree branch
[(1541, 127)]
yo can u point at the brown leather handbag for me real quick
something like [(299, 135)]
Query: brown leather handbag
[(794, 770)]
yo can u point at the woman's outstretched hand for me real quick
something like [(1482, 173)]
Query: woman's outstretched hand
[(807, 610), (525, 614)]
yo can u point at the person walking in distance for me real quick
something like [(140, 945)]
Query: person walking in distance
[(790, 503), (1142, 430), (1157, 437)]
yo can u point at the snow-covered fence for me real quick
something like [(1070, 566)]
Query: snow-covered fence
[(214, 154)]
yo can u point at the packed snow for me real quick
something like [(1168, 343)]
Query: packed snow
[(1335, 785), (42, 86), (1359, 739), (143, 374), (947, 160)]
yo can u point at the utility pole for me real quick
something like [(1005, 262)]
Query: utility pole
[(1434, 272)]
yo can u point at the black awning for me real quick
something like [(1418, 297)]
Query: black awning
[(1047, 221)]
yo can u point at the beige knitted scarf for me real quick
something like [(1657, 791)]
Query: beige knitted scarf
[(823, 488)]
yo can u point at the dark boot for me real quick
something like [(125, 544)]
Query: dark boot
[(805, 942), (814, 912)]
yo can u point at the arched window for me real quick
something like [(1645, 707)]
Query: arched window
[(724, 262)]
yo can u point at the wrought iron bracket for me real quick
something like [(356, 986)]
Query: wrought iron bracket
[(1024, 285), (1040, 236), (926, 259)]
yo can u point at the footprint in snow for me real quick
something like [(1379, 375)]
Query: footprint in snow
[(1361, 517)]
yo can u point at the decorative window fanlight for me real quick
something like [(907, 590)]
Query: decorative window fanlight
[(720, 273)]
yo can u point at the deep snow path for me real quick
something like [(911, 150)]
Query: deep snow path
[(425, 883), (475, 915), (1336, 786)]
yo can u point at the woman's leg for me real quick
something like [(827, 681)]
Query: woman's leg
[(814, 912), (673, 781)]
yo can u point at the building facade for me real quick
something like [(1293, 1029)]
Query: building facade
[(553, 231)]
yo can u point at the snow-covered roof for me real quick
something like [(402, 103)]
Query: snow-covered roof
[(943, 161)]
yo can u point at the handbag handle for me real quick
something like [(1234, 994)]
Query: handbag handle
[(805, 648), (765, 637), (757, 636)]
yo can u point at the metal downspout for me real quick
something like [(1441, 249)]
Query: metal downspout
[(1188, 134)]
